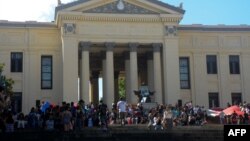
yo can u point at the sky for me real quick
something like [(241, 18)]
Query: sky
[(206, 12)]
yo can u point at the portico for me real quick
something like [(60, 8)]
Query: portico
[(98, 59), (137, 44)]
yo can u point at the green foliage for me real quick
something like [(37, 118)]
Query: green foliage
[(9, 82), (1, 67), (121, 83)]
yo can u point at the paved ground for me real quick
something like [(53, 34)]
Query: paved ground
[(144, 127)]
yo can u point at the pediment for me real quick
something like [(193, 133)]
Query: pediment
[(120, 7)]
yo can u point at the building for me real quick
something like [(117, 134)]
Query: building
[(139, 39)]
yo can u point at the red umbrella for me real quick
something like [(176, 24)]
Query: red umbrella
[(230, 110)]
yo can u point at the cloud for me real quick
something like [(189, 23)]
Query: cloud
[(28, 10)]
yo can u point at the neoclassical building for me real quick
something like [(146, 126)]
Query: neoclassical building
[(140, 40)]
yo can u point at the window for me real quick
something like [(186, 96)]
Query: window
[(46, 72), (211, 64), (234, 63), (213, 100), (184, 73), (16, 102), (16, 62), (236, 98)]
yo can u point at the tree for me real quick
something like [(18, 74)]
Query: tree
[(6, 85), (121, 84)]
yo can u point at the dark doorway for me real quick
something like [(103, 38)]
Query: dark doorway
[(16, 102)]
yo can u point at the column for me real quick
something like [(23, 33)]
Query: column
[(95, 87), (171, 70), (133, 71), (127, 77), (157, 72), (109, 74), (70, 69), (84, 81), (116, 75)]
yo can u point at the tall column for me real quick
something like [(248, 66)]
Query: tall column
[(157, 72), (116, 98), (95, 87), (70, 69), (84, 81), (171, 70), (109, 74), (127, 77), (133, 71)]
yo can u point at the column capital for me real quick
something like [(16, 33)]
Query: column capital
[(156, 47), (109, 46), (133, 46), (85, 46)]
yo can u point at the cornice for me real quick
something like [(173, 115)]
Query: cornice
[(120, 18)]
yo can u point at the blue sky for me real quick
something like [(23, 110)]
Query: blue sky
[(213, 12), (207, 12)]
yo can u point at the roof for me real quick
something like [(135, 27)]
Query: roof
[(200, 27), (5, 23), (157, 2), (163, 4)]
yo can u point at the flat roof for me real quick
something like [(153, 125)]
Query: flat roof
[(220, 27), (5, 23)]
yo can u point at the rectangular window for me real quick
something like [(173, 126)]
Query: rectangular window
[(16, 102), (234, 63), (46, 72), (213, 100), (236, 98), (16, 62), (184, 73), (211, 64)]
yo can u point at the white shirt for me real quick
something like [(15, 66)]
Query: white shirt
[(121, 106)]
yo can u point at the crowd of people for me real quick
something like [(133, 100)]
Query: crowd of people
[(240, 116), (71, 116)]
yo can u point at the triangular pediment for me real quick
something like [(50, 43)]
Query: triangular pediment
[(120, 7)]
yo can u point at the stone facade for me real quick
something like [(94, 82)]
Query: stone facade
[(143, 42)]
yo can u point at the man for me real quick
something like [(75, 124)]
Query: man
[(122, 108), (103, 109)]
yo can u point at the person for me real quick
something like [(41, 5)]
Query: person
[(122, 109), (21, 121), (103, 109), (222, 117), (66, 118), (9, 123), (168, 117), (50, 123), (246, 118)]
